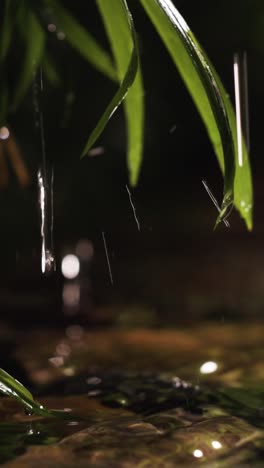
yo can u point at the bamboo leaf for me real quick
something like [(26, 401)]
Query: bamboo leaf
[(34, 39), (125, 85), (210, 99), (14, 389), (82, 41), (119, 33)]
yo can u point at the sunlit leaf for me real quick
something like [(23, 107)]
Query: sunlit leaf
[(34, 42), (210, 99), (82, 41), (125, 85), (119, 33)]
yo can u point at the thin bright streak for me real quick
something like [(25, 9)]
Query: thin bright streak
[(238, 111), (107, 258), (214, 201), (42, 210), (133, 208), (246, 100)]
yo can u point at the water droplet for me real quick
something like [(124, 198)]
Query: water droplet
[(52, 27), (29, 411)]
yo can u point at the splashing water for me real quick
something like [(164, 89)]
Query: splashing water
[(45, 177), (46, 230)]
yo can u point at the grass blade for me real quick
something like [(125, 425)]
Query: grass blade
[(210, 99), (125, 85), (243, 192), (50, 70), (14, 389), (6, 30), (119, 33), (34, 38), (82, 41)]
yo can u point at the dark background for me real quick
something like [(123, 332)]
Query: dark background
[(177, 263)]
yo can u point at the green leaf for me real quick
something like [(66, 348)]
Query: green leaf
[(11, 387), (119, 33), (127, 82), (243, 193), (82, 41), (6, 30), (34, 39), (210, 99), (50, 70)]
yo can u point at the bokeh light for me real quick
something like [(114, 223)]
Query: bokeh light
[(208, 367), (70, 266)]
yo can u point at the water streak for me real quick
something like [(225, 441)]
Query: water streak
[(46, 226), (238, 111), (241, 102), (107, 258), (133, 208), (215, 202), (45, 177)]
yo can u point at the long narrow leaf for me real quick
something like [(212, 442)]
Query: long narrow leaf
[(125, 85), (209, 98), (6, 30), (50, 70), (243, 193), (11, 387), (34, 39), (119, 33), (82, 41)]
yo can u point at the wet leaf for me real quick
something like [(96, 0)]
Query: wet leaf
[(243, 193), (119, 33), (120, 8), (210, 99), (82, 41), (13, 388), (34, 39)]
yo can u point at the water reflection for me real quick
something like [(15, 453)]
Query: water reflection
[(209, 367), (198, 453), (216, 444)]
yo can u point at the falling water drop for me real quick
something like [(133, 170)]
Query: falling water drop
[(45, 183)]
